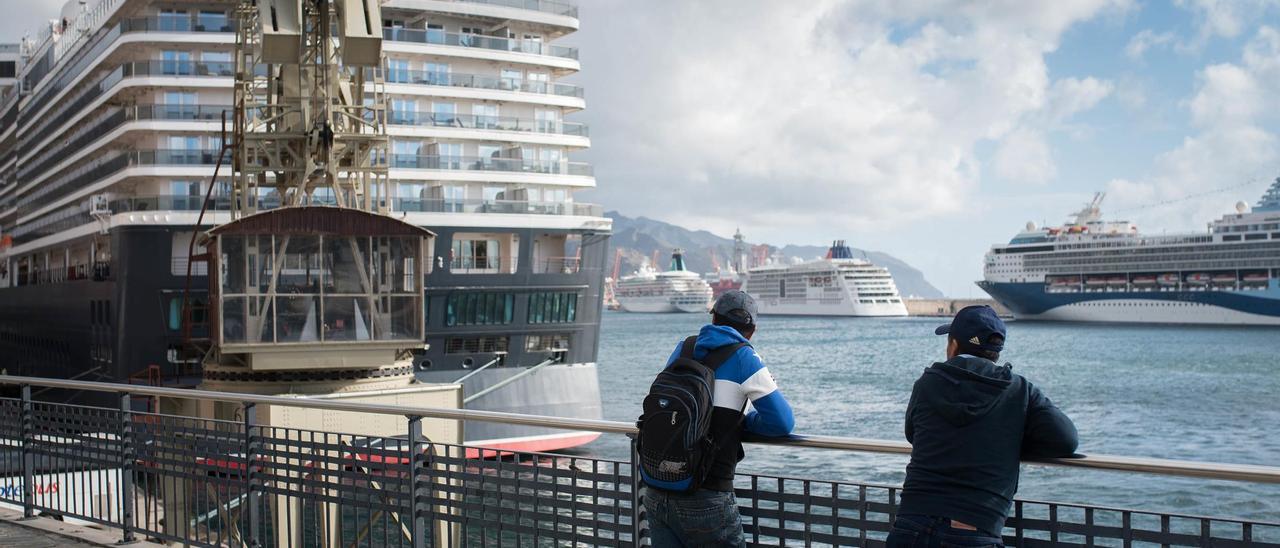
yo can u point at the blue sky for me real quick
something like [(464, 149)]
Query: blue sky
[(928, 129)]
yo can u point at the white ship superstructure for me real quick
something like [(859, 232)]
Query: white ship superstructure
[(111, 126), (838, 285), (675, 290), (1091, 270)]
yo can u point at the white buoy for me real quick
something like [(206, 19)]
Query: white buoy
[(1242, 207), (1031, 226)]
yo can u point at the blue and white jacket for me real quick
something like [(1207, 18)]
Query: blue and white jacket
[(741, 379)]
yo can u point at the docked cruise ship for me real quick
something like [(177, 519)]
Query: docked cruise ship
[(1091, 270), (676, 290), (111, 122), (836, 285)]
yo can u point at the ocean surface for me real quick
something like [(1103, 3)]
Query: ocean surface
[(1194, 393)]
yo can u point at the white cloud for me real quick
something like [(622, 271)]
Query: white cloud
[(821, 117), (1145, 40), (1231, 109), (1222, 19), (1024, 156)]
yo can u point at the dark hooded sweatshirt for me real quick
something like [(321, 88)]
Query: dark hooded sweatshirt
[(970, 422)]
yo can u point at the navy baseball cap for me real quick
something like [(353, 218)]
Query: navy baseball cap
[(737, 306), (976, 326)]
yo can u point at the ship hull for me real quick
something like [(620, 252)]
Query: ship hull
[(657, 305), (836, 310), (116, 328), (1030, 301)]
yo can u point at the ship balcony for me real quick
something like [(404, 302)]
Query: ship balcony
[(78, 145), (478, 46), (543, 6), (493, 128), (222, 202), (403, 81), (487, 169)]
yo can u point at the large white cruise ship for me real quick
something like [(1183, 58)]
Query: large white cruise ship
[(111, 122), (676, 290), (1090, 270), (837, 285)]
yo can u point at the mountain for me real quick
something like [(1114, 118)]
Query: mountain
[(640, 237)]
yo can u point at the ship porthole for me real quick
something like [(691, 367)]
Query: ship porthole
[(424, 365), (468, 362)]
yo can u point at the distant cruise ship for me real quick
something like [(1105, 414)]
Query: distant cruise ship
[(676, 290), (1094, 271), (838, 285)]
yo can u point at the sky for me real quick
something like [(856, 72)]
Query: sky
[(927, 129)]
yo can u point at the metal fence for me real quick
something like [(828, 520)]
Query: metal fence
[(206, 482)]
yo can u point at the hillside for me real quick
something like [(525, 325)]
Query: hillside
[(639, 237)]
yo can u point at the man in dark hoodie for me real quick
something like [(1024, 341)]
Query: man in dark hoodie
[(970, 422)]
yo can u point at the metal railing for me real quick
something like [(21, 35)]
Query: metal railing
[(207, 482), (400, 75), (486, 163), (444, 205), (546, 6), (482, 121), (478, 41)]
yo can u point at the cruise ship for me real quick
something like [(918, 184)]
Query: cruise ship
[(111, 121), (676, 290), (836, 285), (1091, 270)]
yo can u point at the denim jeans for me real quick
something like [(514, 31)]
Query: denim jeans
[(701, 518), (912, 531)]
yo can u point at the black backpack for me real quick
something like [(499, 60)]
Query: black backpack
[(675, 444)]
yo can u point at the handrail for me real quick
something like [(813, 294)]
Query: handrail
[(1168, 467)]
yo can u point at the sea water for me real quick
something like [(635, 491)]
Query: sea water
[(1175, 392)]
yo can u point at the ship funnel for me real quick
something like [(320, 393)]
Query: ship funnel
[(839, 251), (677, 260)]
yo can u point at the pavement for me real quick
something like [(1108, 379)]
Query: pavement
[(50, 533)]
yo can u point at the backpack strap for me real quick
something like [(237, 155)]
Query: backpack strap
[(720, 355), (686, 349)]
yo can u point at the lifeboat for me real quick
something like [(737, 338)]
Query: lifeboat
[(1256, 277), (1146, 280), (1168, 279), (1199, 278), (1117, 281), (1095, 280), (1224, 278)]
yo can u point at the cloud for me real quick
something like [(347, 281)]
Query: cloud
[(1231, 110), (1145, 40), (821, 117), (1024, 156), (1221, 19)]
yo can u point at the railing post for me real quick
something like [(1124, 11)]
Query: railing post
[(637, 507), (250, 520), (127, 459), (419, 502), (28, 456)]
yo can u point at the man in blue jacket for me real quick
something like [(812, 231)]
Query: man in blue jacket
[(709, 516), (970, 422)]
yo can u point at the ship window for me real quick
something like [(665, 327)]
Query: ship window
[(479, 309), (174, 20), (545, 343), (1231, 238), (8, 69), (212, 21), (475, 345), (552, 307), (1258, 236)]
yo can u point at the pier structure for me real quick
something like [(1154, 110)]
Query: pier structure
[(412, 489)]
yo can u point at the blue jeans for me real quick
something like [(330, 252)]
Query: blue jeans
[(912, 531), (701, 518)]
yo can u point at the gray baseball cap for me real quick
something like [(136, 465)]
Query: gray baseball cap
[(737, 306)]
